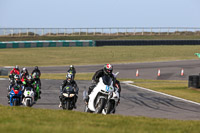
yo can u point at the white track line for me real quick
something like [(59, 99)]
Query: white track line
[(162, 94)]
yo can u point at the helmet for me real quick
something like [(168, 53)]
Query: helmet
[(17, 67), (108, 68), (36, 67), (69, 77), (71, 66), (24, 69)]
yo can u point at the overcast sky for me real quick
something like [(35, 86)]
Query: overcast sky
[(99, 13)]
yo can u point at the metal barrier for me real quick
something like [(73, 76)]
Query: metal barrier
[(110, 31), (58, 43)]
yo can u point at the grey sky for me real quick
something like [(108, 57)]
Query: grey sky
[(101, 13)]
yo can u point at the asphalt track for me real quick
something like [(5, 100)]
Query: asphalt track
[(134, 101)]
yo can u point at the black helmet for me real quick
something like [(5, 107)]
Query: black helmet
[(36, 67), (69, 77), (108, 68)]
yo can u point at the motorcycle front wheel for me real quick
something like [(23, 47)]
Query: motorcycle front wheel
[(100, 105)]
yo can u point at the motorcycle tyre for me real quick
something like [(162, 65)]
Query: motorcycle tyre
[(101, 106)]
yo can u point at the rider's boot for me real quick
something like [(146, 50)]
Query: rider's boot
[(8, 96), (60, 105)]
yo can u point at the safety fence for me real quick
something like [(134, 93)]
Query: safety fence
[(109, 31), (92, 43), (145, 42), (58, 43)]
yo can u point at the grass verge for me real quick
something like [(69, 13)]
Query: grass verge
[(22, 119), (57, 56)]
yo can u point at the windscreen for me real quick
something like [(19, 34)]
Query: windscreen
[(107, 80), (68, 88)]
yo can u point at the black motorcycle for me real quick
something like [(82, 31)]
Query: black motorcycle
[(68, 98)]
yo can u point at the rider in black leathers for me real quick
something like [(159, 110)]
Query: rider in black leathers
[(107, 70), (36, 70), (69, 81), (72, 70)]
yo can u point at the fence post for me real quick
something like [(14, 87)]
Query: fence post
[(27, 31), (12, 32), (94, 31), (159, 30), (143, 31), (117, 31), (151, 30), (42, 31), (79, 31), (109, 31), (126, 32), (102, 32), (168, 31), (65, 32), (57, 32), (35, 31), (86, 31), (72, 31), (19, 32), (134, 31)]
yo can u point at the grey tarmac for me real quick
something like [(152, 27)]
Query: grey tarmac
[(134, 101)]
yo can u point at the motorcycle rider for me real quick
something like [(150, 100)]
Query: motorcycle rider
[(72, 70), (107, 70), (24, 75), (69, 81), (28, 83), (17, 83), (36, 70), (14, 71)]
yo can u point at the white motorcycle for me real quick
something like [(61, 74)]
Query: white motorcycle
[(29, 97), (104, 97)]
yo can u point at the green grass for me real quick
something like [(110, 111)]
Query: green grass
[(79, 76), (137, 37), (94, 55), (22, 119)]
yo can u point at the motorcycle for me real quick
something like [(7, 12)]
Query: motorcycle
[(37, 86), (37, 90), (15, 96), (68, 98), (104, 97), (29, 97)]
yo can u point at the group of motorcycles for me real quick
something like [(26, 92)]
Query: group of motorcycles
[(103, 99), (21, 95)]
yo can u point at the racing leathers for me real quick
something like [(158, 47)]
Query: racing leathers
[(72, 71), (35, 76), (14, 72), (95, 79), (74, 85)]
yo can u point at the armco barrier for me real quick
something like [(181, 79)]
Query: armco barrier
[(146, 42), (56, 43)]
